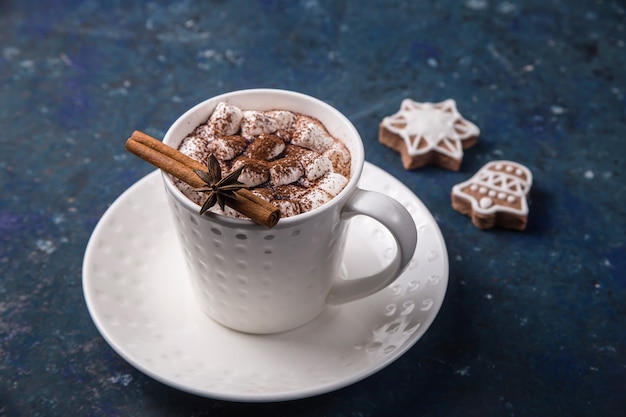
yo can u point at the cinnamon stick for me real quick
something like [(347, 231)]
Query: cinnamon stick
[(166, 150), (182, 167)]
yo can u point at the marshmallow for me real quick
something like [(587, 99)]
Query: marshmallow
[(311, 135), (285, 171), (284, 122), (266, 147), (225, 119), (255, 123), (188, 191), (313, 164), (333, 183), (313, 199), (195, 147), (340, 158), (255, 172), (226, 148), (315, 168), (287, 208), (205, 132)]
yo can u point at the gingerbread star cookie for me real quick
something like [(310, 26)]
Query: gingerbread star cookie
[(428, 133), (495, 196)]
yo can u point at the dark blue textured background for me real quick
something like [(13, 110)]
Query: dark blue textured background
[(533, 323)]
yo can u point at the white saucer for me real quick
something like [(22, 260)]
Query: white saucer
[(136, 289)]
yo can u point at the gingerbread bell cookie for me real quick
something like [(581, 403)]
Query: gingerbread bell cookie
[(495, 196), (428, 133)]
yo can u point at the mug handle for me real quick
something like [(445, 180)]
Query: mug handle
[(395, 217)]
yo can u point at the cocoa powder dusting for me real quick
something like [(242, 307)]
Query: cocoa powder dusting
[(270, 160)]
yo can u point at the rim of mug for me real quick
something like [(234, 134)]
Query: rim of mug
[(357, 161)]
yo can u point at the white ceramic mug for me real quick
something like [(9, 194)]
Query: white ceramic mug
[(259, 280)]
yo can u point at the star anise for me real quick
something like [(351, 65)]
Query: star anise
[(218, 188)]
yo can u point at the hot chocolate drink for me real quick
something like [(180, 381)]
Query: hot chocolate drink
[(307, 161), (289, 159)]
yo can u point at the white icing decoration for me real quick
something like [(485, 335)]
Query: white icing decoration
[(512, 184), (482, 190), (431, 126), (492, 193)]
